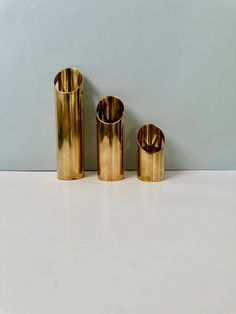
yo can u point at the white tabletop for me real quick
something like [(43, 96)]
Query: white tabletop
[(92, 247)]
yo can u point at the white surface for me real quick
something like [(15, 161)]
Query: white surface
[(172, 62), (93, 247)]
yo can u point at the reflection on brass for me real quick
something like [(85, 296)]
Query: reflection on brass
[(110, 138), (68, 86), (151, 143)]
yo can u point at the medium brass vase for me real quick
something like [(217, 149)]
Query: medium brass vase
[(151, 143), (68, 87), (109, 116)]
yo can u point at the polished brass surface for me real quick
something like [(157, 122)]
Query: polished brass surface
[(151, 143), (68, 87), (110, 111)]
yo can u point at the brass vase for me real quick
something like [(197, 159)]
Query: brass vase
[(109, 116), (68, 87), (151, 143)]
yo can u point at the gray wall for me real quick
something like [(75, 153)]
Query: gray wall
[(172, 62)]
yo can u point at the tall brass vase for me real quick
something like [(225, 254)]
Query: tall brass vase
[(68, 87)]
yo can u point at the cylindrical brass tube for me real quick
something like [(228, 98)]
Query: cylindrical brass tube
[(110, 111), (151, 143), (68, 87)]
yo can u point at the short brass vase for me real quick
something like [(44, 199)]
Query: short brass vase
[(68, 87), (151, 143), (109, 117)]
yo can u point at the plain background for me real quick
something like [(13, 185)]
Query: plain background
[(172, 62)]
